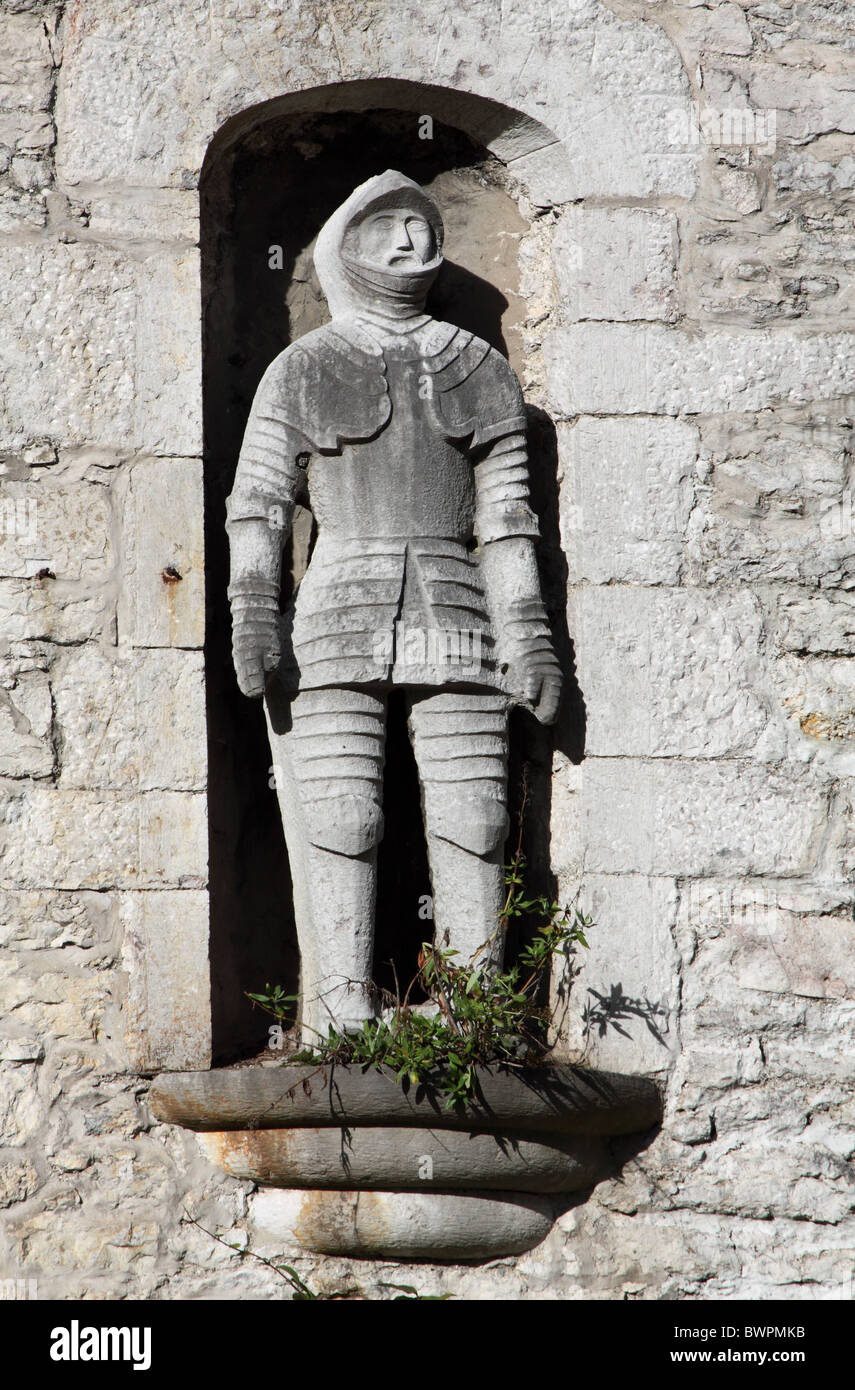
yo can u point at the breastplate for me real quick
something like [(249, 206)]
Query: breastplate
[(407, 481)]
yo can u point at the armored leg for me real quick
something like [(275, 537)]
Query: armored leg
[(330, 780), (460, 744)]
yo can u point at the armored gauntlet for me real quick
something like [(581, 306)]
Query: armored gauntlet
[(528, 644), (255, 631)]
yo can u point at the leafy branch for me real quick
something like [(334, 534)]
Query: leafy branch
[(481, 1017)]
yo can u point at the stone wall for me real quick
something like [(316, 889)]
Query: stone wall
[(692, 343)]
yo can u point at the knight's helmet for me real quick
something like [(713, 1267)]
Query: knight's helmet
[(349, 282)]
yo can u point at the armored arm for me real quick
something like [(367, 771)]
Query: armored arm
[(259, 513), (507, 529)]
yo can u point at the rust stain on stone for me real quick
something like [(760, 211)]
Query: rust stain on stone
[(823, 726)]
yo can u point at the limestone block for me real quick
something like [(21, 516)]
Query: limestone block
[(104, 1237), (807, 103), (63, 527), (168, 346), (39, 921), (725, 30), (616, 263), (674, 817), (774, 504), (625, 990), (105, 347), (822, 624), (628, 369), (763, 1180), (145, 92), (131, 718), (40, 609), (29, 133), (26, 720), (68, 370), (18, 1181), (167, 1011), (401, 1225), (818, 694), (65, 1005), (565, 832), (26, 66), (22, 1109), (21, 211), (150, 215), (163, 516), (75, 839), (669, 673), (773, 936), (626, 497)]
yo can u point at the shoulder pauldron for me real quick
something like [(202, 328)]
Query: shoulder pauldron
[(332, 391), (476, 394)]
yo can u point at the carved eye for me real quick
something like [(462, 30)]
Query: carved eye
[(302, 460)]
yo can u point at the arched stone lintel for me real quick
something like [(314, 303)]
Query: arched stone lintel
[(536, 154)]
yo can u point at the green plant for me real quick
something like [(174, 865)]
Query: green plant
[(481, 1017), (301, 1292)]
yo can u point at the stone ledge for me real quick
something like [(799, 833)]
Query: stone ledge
[(403, 1225), (557, 1100), (408, 1160)]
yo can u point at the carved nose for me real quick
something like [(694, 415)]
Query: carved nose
[(403, 241)]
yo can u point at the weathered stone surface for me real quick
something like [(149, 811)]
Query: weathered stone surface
[(161, 603), (616, 263), (131, 719), (43, 921), (773, 503), (63, 528), (822, 624), (168, 1003), (622, 1008), (566, 1100), (626, 498), (406, 1160), (168, 347), (77, 839), (41, 609), (605, 86), (629, 369), (399, 1225), (26, 69), (70, 372), (697, 817), (671, 673), (26, 718), (105, 352), (68, 1004), (772, 940), (22, 1111), (144, 217), (818, 695)]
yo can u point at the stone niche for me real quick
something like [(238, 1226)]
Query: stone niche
[(499, 1172), (268, 186)]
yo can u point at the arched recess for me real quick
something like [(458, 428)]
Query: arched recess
[(272, 176)]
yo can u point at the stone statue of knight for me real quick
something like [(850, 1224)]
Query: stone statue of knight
[(406, 436)]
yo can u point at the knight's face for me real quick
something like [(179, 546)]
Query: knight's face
[(395, 239)]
